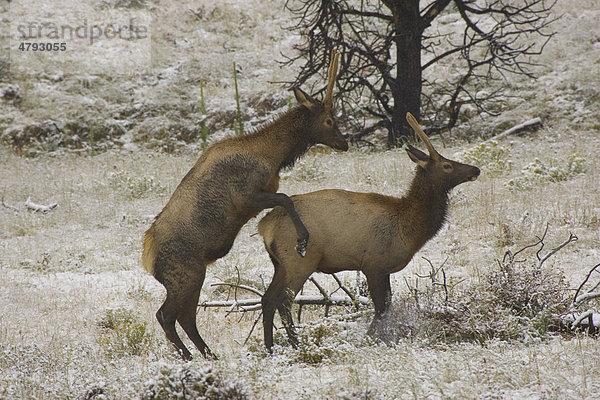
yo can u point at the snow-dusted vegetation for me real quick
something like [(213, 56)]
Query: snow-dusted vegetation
[(77, 309)]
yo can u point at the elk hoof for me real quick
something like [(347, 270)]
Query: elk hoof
[(301, 247)]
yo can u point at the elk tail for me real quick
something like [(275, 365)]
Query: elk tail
[(149, 253)]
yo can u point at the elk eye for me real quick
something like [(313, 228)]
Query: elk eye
[(447, 167), (329, 122)]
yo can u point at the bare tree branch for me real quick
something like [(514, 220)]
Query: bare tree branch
[(499, 38), (587, 296)]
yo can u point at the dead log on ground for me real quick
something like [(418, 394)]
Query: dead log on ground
[(532, 124), (30, 205)]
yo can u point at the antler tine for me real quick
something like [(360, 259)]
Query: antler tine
[(417, 128), (333, 69)]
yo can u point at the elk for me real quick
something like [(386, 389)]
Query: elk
[(370, 232), (230, 183)]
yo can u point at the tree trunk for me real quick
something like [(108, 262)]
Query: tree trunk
[(406, 86)]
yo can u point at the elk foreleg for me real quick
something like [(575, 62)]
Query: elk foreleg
[(264, 200), (381, 294)]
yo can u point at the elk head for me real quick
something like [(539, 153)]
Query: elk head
[(322, 123), (444, 173)]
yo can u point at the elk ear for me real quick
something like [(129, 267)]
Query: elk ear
[(417, 156), (304, 99)]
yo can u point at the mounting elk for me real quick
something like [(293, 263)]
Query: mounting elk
[(232, 182), (370, 232)]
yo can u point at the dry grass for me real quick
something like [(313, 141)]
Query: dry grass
[(62, 271), (64, 274)]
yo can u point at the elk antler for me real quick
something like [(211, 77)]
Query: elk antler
[(417, 128), (333, 68)]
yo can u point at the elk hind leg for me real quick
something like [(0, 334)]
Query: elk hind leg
[(270, 302), (285, 313), (294, 283), (166, 316), (190, 293)]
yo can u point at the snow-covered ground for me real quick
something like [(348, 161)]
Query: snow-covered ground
[(77, 309)]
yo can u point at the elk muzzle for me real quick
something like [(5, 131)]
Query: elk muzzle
[(340, 144)]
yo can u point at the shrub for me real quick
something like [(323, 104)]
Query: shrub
[(316, 343), (123, 334), (137, 187), (181, 382), (538, 172), (489, 156), (516, 301), (4, 68), (366, 394), (512, 300)]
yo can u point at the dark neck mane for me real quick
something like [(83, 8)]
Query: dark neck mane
[(286, 135), (431, 203)]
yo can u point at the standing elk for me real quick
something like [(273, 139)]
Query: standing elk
[(370, 232), (232, 182)]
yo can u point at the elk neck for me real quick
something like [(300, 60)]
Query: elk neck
[(284, 139), (428, 205)]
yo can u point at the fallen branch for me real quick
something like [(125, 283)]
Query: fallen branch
[(344, 288), (255, 303), (9, 206), (532, 124), (590, 294), (572, 238), (30, 205), (588, 320), (239, 286), (586, 297), (323, 293), (509, 257), (241, 305), (319, 288), (433, 276)]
